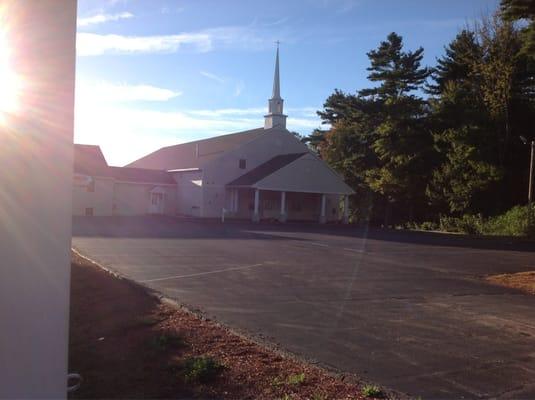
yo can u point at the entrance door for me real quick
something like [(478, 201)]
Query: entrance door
[(156, 205)]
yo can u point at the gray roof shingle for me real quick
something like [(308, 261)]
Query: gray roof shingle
[(265, 169)]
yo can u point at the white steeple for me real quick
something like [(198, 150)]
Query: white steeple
[(275, 116)]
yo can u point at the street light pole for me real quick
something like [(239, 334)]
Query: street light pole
[(530, 190)]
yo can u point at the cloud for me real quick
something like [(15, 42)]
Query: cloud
[(105, 92), (246, 38), (211, 76), (102, 18), (92, 44)]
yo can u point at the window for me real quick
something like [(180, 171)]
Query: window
[(89, 212), (156, 198), (243, 163), (91, 186)]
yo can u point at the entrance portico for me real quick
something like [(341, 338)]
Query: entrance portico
[(289, 187), (259, 204)]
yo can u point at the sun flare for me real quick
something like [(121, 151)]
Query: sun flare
[(10, 82)]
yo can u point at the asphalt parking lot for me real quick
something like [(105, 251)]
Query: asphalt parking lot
[(405, 310)]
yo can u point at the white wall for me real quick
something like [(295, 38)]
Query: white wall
[(100, 200), (221, 171), (35, 200), (134, 198), (189, 193)]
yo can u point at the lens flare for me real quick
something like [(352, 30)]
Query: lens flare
[(10, 81)]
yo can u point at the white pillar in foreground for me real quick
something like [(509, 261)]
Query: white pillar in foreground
[(36, 146), (283, 214), (346, 209), (322, 214), (256, 214)]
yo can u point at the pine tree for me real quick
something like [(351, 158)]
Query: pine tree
[(513, 10), (402, 144)]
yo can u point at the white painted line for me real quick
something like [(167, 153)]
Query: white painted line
[(355, 250), (318, 244), (204, 273)]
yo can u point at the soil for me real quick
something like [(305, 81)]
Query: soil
[(524, 281), (116, 331)]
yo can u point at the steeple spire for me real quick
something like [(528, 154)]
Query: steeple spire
[(276, 78), (275, 116)]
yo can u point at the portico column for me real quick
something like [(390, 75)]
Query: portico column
[(322, 214), (256, 214), (346, 209), (283, 216)]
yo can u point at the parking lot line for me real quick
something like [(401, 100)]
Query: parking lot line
[(208, 272)]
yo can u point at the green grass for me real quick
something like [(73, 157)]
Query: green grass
[(277, 382), (296, 379), (201, 369), (372, 391)]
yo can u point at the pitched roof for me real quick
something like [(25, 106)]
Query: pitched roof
[(140, 175), (265, 169), (195, 154), (89, 160)]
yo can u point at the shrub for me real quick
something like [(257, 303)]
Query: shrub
[(469, 224), (296, 379), (372, 391), (201, 369), (518, 221)]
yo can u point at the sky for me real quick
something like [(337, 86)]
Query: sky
[(153, 73)]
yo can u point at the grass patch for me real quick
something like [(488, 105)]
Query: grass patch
[(167, 340), (277, 382), (201, 369), (372, 391), (296, 379)]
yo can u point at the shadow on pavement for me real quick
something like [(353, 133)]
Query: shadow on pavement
[(173, 227)]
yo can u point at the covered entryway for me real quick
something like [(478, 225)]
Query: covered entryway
[(157, 201), (290, 187)]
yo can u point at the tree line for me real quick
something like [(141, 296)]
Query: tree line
[(445, 140)]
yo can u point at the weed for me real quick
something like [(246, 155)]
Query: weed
[(277, 382), (296, 379), (372, 391), (201, 369), (318, 396)]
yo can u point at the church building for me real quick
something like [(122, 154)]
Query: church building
[(259, 174)]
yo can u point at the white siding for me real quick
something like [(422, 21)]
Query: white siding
[(307, 174), (189, 193), (100, 200)]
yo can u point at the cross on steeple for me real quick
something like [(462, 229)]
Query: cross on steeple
[(275, 116)]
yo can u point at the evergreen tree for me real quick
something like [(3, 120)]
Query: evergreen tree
[(402, 145), (514, 10)]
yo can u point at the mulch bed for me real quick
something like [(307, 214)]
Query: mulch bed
[(524, 281), (116, 331)]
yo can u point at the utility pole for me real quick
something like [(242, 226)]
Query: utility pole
[(530, 193)]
